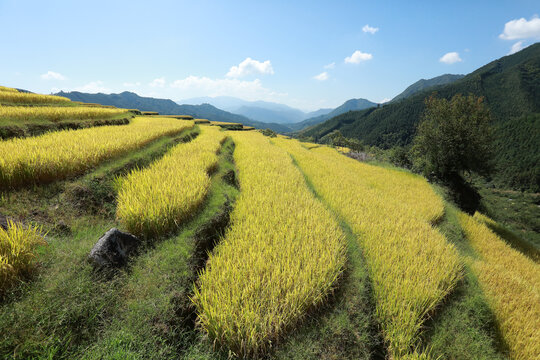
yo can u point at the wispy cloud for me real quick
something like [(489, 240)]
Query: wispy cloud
[(93, 87), (450, 58), (521, 29), (205, 86), (330, 66), (358, 57), (51, 75), (129, 84), (250, 67), (322, 76), (369, 29), (516, 47), (159, 82)]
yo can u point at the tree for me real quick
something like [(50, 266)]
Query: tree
[(454, 137), (336, 138)]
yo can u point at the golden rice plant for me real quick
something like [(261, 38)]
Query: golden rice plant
[(65, 153), (281, 256), (155, 200), (3, 88), (411, 265), (57, 113), (17, 251), (511, 282), (17, 97)]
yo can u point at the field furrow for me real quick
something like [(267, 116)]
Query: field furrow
[(412, 266), (62, 154), (281, 256), (155, 200)]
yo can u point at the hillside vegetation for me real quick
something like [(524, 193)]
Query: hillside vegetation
[(510, 86)]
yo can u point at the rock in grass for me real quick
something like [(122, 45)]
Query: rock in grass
[(3, 222), (113, 249)]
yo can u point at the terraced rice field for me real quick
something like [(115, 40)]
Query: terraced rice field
[(152, 201), (57, 155), (412, 266), (56, 113), (248, 249), (282, 255)]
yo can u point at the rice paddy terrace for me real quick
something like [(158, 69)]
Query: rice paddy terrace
[(250, 247)]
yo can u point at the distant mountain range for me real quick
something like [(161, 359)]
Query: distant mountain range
[(262, 111), (130, 100), (511, 88)]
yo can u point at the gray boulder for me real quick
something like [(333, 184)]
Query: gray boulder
[(113, 249)]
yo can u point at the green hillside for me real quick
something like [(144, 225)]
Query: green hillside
[(510, 86), (349, 105)]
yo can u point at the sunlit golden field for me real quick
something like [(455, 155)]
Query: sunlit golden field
[(283, 257)]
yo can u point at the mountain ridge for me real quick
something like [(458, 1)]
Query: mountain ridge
[(510, 86), (424, 84)]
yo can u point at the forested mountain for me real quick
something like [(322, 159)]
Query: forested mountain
[(349, 105), (511, 87), (131, 100), (424, 84)]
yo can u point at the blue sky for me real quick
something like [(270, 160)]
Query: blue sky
[(307, 54)]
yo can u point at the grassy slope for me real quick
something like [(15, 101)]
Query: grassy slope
[(66, 303), (464, 326)]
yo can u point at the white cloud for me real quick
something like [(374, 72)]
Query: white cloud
[(250, 67), (450, 58), (369, 29), (322, 76), (203, 86), (159, 82), (330, 66), (521, 29), (128, 84), (516, 47), (385, 100), (93, 87), (357, 57), (51, 75)]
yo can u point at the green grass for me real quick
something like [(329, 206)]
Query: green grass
[(464, 326), (65, 304)]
